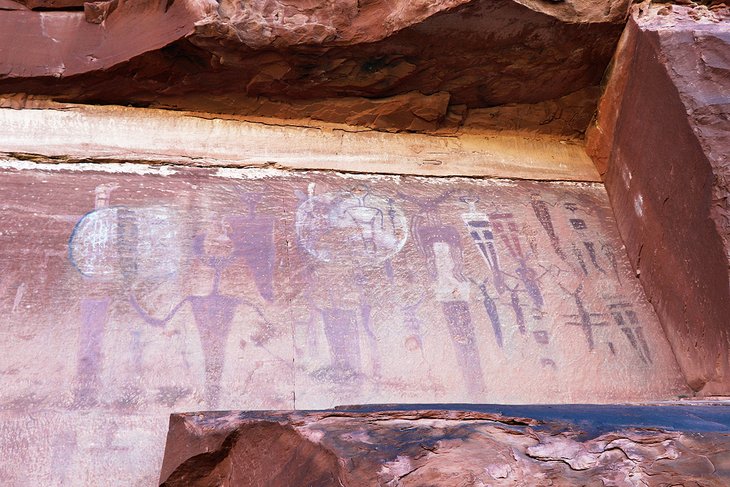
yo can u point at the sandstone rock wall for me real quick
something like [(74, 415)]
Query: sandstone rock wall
[(488, 445), (131, 291), (661, 140), (388, 65)]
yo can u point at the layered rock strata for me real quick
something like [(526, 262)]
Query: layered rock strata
[(67, 133), (388, 65), (496, 446)]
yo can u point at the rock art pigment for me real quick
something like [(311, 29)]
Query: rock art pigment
[(185, 290), (130, 289)]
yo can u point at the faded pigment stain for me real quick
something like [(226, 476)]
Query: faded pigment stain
[(140, 294)]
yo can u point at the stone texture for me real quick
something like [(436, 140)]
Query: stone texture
[(488, 445), (567, 116), (11, 5), (52, 4), (366, 63), (661, 140), (68, 133), (131, 291)]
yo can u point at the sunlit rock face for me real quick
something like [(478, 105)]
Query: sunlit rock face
[(389, 65), (130, 290), (435, 445), (129, 293), (662, 138)]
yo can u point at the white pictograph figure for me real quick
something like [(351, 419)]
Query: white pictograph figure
[(351, 228), (369, 219), (355, 231), (122, 244), (441, 245)]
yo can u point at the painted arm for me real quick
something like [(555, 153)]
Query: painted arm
[(151, 320)]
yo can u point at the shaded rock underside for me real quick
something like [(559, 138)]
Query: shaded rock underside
[(422, 66)]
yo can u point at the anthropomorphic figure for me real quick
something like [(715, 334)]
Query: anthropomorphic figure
[(349, 233), (214, 312), (441, 246)]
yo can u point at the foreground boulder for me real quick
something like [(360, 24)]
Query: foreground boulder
[(478, 445)]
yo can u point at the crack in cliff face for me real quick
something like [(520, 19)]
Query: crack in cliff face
[(141, 165)]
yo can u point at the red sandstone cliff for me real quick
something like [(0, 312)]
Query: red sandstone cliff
[(389, 65), (661, 137)]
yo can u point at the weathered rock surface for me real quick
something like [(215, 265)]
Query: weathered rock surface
[(478, 445), (388, 65), (662, 140), (65, 132), (129, 291), (567, 116)]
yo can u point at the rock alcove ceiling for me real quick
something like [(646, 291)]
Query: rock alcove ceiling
[(529, 65)]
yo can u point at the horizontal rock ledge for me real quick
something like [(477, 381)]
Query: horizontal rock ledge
[(77, 133), (450, 445), (319, 59)]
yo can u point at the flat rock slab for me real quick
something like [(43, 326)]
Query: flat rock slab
[(448, 445), (130, 291), (184, 288), (77, 133)]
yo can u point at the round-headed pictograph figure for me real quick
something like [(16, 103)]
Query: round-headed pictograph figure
[(120, 242), (351, 228)]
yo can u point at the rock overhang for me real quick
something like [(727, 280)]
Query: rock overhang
[(416, 66)]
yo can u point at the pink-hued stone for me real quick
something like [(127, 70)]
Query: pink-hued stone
[(388, 65), (661, 140), (434, 445), (133, 293)]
